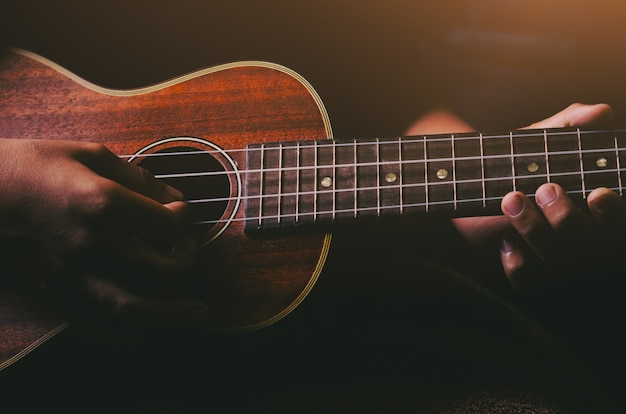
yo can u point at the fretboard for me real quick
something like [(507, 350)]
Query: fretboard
[(307, 182)]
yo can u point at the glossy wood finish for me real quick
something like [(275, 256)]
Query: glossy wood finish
[(249, 282)]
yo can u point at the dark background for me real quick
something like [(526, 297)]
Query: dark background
[(376, 64)]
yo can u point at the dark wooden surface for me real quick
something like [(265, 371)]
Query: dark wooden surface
[(26, 322)]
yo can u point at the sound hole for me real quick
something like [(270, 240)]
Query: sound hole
[(202, 179)]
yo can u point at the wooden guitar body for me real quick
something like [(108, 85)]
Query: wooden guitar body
[(211, 115)]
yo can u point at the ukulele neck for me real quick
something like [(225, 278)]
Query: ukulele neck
[(307, 182)]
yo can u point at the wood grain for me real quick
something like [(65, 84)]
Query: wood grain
[(249, 282)]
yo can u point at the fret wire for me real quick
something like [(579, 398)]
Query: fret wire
[(545, 146), (469, 200), (334, 183), (580, 155), (280, 176), (414, 185), (262, 154), (483, 179), (356, 178), (400, 174), (263, 171), (619, 172), (378, 176), (298, 171), (482, 169), (425, 173), (418, 185), (315, 182), (512, 160), (408, 139), (453, 170), (494, 157)]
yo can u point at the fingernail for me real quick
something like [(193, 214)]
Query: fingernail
[(507, 246), (545, 195), (600, 203), (514, 205)]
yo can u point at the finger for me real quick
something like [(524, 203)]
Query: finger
[(560, 211), (574, 228), (102, 161), (181, 260), (130, 308), (609, 212), (438, 121), (577, 115), (139, 266), (140, 215), (607, 208), (530, 224), (482, 231), (519, 266)]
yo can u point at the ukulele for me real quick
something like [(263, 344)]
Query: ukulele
[(250, 145)]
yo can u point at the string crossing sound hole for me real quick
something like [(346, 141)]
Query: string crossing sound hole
[(201, 178)]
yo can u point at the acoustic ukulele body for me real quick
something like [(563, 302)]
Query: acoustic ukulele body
[(192, 131)]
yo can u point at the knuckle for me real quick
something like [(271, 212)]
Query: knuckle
[(95, 149), (149, 185), (568, 220), (526, 224), (139, 174), (560, 220), (81, 239), (143, 173), (112, 299), (575, 105), (97, 197), (36, 146)]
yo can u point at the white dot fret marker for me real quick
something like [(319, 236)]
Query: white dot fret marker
[(442, 173), (532, 167), (602, 162), (326, 182), (390, 177)]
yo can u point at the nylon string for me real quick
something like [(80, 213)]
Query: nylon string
[(399, 163)]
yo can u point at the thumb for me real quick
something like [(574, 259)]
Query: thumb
[(578, 115)]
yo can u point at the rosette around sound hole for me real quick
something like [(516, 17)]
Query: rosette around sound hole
[(203, 181)]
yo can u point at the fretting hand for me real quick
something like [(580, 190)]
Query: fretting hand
[(554, 230), (541, 242)]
